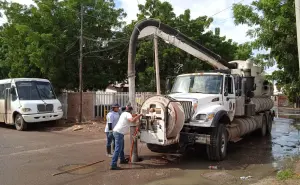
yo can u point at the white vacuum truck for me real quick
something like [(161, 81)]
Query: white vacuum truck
[(209, 108)]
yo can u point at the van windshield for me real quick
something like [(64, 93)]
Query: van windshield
[(35, 90)]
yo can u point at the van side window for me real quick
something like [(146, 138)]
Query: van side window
[(2, 90)]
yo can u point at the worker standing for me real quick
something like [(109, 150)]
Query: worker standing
[(112, 119), (121, 129)]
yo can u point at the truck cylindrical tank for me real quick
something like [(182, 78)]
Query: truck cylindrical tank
[(262, 103), (243, 126)]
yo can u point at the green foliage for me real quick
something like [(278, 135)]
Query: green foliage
[(274, 27), (285, 174), (172, 60), (43, 41)]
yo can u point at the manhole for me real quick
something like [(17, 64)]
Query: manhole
[(81, 171)]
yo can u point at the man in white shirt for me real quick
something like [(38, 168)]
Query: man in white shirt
[(112, 119), (121, 129)]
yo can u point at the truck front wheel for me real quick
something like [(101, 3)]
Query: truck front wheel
[(217, 150), (20, 124)]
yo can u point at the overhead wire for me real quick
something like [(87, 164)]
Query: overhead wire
[(212, 14)]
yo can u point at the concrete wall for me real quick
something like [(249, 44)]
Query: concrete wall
[(88, 100)]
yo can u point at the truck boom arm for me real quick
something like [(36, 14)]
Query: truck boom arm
[(174, 37)]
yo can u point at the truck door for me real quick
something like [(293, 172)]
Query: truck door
[(229, 96)]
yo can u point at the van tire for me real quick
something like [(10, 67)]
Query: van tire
[(20, 124)]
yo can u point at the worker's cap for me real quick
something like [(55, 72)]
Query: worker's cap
[(115, 105)]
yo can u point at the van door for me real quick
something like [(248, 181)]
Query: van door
[(8, 112)]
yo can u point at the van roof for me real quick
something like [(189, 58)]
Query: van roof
[(9, 80)]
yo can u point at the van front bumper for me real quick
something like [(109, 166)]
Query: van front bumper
[(31, 118)]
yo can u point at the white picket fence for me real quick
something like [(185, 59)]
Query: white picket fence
[(104, 100)]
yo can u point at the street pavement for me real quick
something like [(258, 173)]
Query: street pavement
[(32, 157)]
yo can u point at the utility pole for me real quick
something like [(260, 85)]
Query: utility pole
[(297, 10), (156, 65), (80, 62)]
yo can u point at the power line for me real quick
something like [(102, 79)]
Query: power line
[(211, 15), (71, 46), (96, 51)]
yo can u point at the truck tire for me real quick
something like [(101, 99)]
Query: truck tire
[(264, 126), (161, 149), (20, 124), (270, 124), (217, 150)]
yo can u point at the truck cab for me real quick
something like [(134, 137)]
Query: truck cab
[(210, 94)]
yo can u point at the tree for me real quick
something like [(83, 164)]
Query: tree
[(273, 26), (42, 41), (172, 60)]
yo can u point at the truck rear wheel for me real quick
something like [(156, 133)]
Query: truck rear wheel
[(264, 126), (217, 150), (270, 124), (20, 124)]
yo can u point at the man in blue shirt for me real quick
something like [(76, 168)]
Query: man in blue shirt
[(112, 119)]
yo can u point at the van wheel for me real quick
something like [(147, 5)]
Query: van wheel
[(20, 124), (217, 150), (264, 126)]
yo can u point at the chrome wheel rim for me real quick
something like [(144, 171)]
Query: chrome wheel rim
[(223, 143), (18, 121)]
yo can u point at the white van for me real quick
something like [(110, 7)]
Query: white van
[(28, 100)]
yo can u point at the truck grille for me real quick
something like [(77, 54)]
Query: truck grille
[(188, 110), (45, 108)]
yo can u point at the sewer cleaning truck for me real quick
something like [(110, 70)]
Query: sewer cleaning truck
[(208, 108)]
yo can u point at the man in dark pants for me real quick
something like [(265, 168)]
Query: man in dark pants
[(112, 119), (121, 129)]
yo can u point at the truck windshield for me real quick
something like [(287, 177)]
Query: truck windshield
[(35, 90), (206, 84)]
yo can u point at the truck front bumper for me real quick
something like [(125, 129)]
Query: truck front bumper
[(195, 138), (31, 118)]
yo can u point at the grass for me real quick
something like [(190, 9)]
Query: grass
[(285, 174)]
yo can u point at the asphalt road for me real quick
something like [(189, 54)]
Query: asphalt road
[(30, 158)]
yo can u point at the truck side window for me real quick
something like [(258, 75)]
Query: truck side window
[(229, 85)]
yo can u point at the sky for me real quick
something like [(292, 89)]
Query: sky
[(220, 10)]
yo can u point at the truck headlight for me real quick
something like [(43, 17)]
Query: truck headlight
[(26, 109), (201, 117), (59, 108)]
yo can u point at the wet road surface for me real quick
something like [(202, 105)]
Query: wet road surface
[(30, 158)]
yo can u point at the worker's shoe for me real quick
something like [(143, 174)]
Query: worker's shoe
[(115, 168), (108, 152), (125, 161)]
